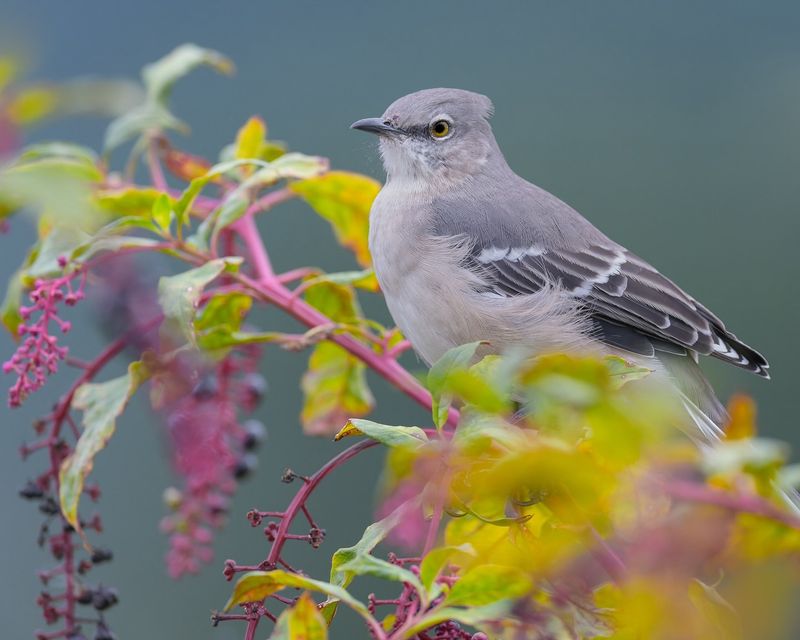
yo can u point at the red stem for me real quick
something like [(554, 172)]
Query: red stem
[(156, 172), (745, 503), (296, 505), (271, 290)]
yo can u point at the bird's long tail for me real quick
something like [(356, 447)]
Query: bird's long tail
[(711, 433)]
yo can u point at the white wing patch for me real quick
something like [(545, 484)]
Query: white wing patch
[(512, 254), (585, 288)]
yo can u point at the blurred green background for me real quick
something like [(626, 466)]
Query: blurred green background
[(675, 127)]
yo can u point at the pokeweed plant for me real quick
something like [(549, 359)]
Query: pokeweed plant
[(556, 500)]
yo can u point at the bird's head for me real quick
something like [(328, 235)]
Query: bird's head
[(434, 135)]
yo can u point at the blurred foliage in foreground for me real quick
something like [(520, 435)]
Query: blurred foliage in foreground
[(589, 517), (551, 498)]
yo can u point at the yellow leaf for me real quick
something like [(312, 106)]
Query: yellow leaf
[(250, 139), (32, 104), (130, 201), (343, 199), (742, 422), (335, 389), (305, 622)]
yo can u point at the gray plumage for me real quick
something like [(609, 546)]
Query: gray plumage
[(466, 250)]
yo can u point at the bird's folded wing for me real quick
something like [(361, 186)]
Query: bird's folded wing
[(632, 305)]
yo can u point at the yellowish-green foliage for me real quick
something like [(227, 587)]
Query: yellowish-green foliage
[(573, 508)]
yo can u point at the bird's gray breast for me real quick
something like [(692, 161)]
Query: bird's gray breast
[(421, 275)]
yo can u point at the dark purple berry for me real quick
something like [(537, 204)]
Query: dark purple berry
[(31, 491), (206, 388), (256, 387), (245, 466), (100, 555), (48, 506), (103, 598), (255, 433)]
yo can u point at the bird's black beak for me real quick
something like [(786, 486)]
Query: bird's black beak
[(377, 126)]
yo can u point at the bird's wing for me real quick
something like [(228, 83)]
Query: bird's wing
[(631, 304)]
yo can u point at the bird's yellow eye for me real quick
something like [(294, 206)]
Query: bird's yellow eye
[(439, 129)]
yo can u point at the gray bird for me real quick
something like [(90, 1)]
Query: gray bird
[(466, 250)]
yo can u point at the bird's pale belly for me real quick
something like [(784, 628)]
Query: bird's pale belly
[(425, 314)]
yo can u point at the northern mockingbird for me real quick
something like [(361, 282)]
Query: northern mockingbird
[(466, 250)]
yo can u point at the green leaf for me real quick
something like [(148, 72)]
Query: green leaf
[(476, 390), (178, 295), (83, 96), (67, 150), (455, 359), (291, 165), (146, 117), (391, 436), (231, 210), (60, 242), (368, 565), (217, 326), (336, 301), (254, 586), (373, 535), (129, 201), (160, 76), (224, 309), (364, 279), (334, 388), (436, 559), (488, 583), (344, 200), (217, 340), (474, 616), (110, 243), (184, 203), (58, 188), (101, 403), (303, 621), (162, 212)]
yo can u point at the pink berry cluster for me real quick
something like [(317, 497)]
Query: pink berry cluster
[(39, 353), (211, 451)]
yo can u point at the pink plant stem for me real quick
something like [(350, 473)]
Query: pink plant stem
[(269, 200), (156, 172), (744, 503), (297, 505), (296, 274), (261, 263), (299, 500), (271, 290)]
